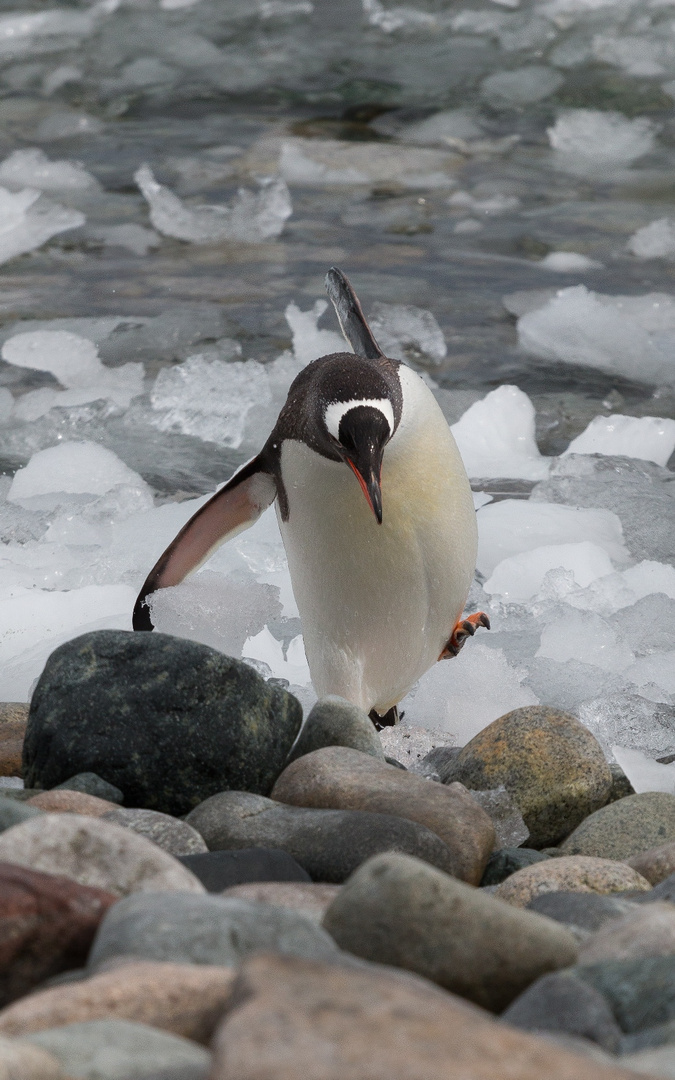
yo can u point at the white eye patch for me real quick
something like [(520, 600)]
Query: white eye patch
[(334, 413)]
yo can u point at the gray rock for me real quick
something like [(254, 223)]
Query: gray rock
[(439, 760), (13, 812), (220, 870), (333, 721), (582, 911), (121, 1050), (329, 844), (166, 720), (505, 861), (561, 1002), (91, 784), (660, 1035), (400, 911), (204, 930), (621, 785), (641, 993), (169, 833), (624, 828), (657, 1062)]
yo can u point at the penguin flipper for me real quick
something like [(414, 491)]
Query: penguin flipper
[(231, 510), (350, 315)]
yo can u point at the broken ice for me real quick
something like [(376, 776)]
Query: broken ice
[(649, 437), (588, 141), (28, 220), (496, 437)]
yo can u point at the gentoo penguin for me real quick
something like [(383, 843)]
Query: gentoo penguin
[(376, 516)]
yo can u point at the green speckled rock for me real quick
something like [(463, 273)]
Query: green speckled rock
[(625, 828), (168, 721)]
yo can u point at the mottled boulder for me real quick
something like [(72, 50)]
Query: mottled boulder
[(167, 721), (549, 763), (625, 828), (169, 833), (333, 721), (576, 873)]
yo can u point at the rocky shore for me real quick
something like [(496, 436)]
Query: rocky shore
[(190, 891)]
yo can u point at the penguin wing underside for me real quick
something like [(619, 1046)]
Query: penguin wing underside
[(231, 510)]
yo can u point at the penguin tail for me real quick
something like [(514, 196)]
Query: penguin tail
[(350, 315)]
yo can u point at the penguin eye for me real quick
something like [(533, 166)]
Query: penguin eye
[(336, 412)]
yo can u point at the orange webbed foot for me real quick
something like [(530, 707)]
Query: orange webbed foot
[(464, 628)]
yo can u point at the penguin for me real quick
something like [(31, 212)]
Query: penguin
[(376, 516)]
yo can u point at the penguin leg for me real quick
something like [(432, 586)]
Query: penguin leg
[(390, 718), (464, 628)]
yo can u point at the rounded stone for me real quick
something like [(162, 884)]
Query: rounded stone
[(656, 865), (217, 870), (20, 1060), (648, 931), (505, 861), (70, 802), (564, 1003), (625, 828), (309, 898), (334, 721), (167, 721), (640, 992), (91, 784), (13, 812), (549, 763), (169, 833), (575, 873)]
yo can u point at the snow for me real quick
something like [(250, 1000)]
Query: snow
[(588, 141), (28, 220), (654, 241), (495, 437), (75, 467), (649, 437)]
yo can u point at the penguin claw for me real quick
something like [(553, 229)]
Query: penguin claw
[(464, 628)]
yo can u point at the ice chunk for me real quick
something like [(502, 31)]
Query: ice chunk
[(28, 220), (133, 237), (32, 168), (441, 127), (654, 241), (648, 625), (497, 203), (397, 18), (495, 437), (73, 467), (309, 342), (649, 437), (315, 162), (250, 219), (522, 86), (463, 696), (588, 141), (630, 720), (520, 577), (583, 636), (510, 828), (66, 124), (60, 76), (618, 591), (399, 328), (657, 670), (625, 335), (512, 526), (644, 773), (287, 664), (568, 262), (20, 26)]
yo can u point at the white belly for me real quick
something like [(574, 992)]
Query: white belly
[(379, 602)]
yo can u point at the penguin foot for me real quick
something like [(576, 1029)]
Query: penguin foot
[(390, 718), (464, 628)]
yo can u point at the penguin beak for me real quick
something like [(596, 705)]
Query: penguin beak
[(370, 481), (364, 433)]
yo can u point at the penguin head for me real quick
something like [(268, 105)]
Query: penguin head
[(361, 428)]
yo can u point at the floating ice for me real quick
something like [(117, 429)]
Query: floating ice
[(644, 773), (630, 720), (398, 18), (28, 220), (657, 670), (522, 86), (250, 219), (315, 162), (74, 361), (649, 437), (654, 241), (133, 237), (490, 204), (402, 327), (495, 437), (309, 342), (32, 168), (624, 335), (584, 636), (66, 124), (588, 142), (450, 124), (568, 262), (518, 578), (72, 467), (17, 29)]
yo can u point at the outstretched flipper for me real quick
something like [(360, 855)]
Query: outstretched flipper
[(350, 315), (231, 510), (463, 629)]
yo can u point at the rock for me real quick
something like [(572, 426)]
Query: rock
[(96, 853), (185, 999), (660, 1035), (13, 812), (400, 911), (624, 828), (91, 784), (208, 722), (372, 1025), (583, 912), (505, 861), (577, 1044), (13, 720), (207, 929), (547, 760), (70, 802), (47, 924), (309, 898), (21, 1061), (343, 779), (575, 873), (665, 890), (333, 721), (116, 1049), (562, 1002), (641, 993), (169, 833), (439, 759), (621, 785), (329, 844), (656, 864), (647, 931), (217, 870), (657, 1062)]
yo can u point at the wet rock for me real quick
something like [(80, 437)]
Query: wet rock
[(562, 1002), (665, 890), (333, 721), (185, 999), (91, 784), (583, 912), (575, 873), (206, 929), (343, 779), (169, 833), (375, 1025), (21, 1061), (311, 899), (505, 861), (647, 931), (47, 924), (70, 802), (400, 911), (96, 853), (13, 720), (110, 1049), (548, 761), (208, 722), (217, 870), (621, 785), (13, 812), (655, 865), (641, 993), (329, 844), (628, 827)]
